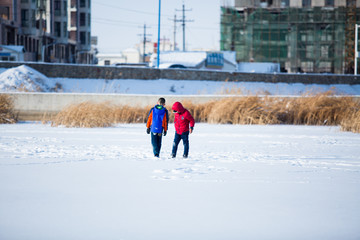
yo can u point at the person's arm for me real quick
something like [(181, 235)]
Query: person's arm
[(165, 122), (149, 121), (191, 121)]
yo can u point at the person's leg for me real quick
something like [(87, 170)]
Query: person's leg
[(159, 137), (175, 144), (185, 138), (154, 142)]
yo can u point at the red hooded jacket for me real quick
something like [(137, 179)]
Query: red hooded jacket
[(182, 118)]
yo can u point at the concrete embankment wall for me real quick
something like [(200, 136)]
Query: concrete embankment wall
[(110, 72), (33, 106)]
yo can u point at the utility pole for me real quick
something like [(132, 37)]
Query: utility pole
[(183, 20), (158, 45), (356, 48), (174, 31), (144, 43)]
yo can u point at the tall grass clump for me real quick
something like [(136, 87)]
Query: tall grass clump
[(244, 110), (320, 109), (90, 115), (85, 114), (7, 114), (126, 114), (352, 122)]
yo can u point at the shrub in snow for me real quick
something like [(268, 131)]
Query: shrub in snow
[(6, 109)]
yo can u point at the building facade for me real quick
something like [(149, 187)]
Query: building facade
[(315, 36), (49, 30)]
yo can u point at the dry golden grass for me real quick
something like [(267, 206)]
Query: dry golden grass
[(322, 109), (89, 114), (85, 114), (352, 122), (125, 114), (7, 109)]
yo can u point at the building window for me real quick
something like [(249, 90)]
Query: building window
[(5, 13), (58, 29), (24, 17), (8, 58), (306, 3), (89, 19), (329, 3), (73, 4), (24, 1), (82, 3), (65, 29), (33, 18), (82, 19), (83, 38), (285, 3), (57, 8), (73, 19)]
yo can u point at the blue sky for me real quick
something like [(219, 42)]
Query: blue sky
[(118, 23)]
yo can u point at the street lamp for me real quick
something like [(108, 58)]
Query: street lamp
[(356, 48), (158, 45)]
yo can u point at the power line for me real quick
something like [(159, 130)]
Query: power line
[(126, 9)]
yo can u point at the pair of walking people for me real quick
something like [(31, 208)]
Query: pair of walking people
[(157, 125)]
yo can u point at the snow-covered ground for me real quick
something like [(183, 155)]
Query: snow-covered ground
[(24, 78), (240, 182)]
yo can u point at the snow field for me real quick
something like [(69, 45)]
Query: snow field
[(240, 182)]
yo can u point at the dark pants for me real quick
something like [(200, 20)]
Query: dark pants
[(156, 143), (177, 139)]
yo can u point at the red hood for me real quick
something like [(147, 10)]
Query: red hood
[(178, 107)]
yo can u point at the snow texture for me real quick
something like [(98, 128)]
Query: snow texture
[(24, 78), (239, 182)]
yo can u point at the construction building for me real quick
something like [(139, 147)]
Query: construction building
[(314, 36)]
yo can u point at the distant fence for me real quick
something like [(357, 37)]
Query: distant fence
[(110, 72)]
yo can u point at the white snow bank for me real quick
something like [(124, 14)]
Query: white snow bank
[(23, 79)]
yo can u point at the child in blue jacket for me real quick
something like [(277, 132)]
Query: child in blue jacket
[(157, 124)]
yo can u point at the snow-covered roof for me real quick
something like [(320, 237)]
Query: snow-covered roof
[(130, 50), (109, 55), (192, 59), (13, 48), (188, 59)]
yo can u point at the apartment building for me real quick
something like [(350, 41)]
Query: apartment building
[(49, 30), (79, 25), (9, 21), (301, 35)]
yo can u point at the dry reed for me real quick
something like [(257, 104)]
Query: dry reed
[(352, 122), (85, 114), (7, 109), (319, 109)]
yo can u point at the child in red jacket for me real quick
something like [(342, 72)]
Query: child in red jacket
[(182, 121)]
